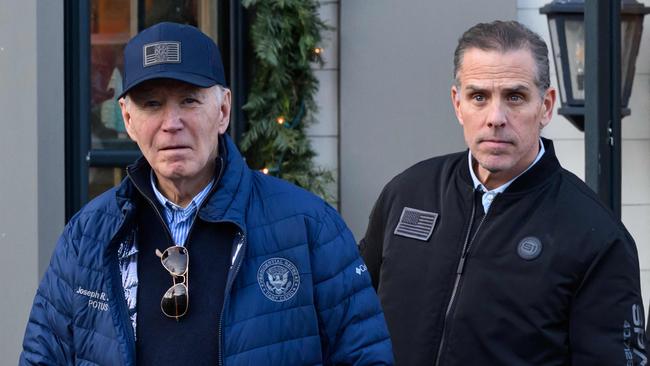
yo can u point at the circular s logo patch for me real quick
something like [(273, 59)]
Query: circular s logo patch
[(279, 279), (529, 248)]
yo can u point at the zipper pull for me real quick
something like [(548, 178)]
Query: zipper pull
[(240, 242), (461, 265)]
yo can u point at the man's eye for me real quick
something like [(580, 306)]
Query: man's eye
[(515, 98), (478, 97), (151, 104), (190, 101)]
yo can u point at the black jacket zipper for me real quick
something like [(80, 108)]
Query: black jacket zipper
[(155, 208), (459, 272)]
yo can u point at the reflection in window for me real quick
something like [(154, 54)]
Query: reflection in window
[(177, 11), (102, 179), (110, 24)]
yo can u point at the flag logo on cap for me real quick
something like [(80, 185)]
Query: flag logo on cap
[(416, 224), (161, 53)]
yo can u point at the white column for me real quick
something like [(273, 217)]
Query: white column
[(31, 156)]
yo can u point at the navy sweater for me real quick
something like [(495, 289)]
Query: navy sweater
[(193, 339)]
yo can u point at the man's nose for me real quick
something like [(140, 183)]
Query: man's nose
[(172, 119), (496, 114)]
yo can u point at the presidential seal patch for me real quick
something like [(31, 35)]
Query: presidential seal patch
[(279, 279)]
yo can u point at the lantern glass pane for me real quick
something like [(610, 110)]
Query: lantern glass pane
[(557, 56), (575, 41), (630, 30)]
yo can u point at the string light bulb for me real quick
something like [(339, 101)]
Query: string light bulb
[(318, 50), (265, 171), (280, 120)]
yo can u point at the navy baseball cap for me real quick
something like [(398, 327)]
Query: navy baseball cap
[(172, 51)]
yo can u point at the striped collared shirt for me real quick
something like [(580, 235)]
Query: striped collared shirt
[(179, 219)]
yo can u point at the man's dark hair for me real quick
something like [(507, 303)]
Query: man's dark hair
[(505, 36)]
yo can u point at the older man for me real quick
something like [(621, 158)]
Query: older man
[(497, 255), (272, 278)]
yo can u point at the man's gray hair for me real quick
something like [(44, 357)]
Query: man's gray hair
[(505, 36), (219, 92)]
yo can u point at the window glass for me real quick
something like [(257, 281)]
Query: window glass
[(110, 25), (177, 11), (103, 178)]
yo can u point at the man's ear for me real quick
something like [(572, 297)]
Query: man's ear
[(548, 102), (126, 116), (455, 102), (224, 111)]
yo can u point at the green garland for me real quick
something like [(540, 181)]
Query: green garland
[(285, 35)]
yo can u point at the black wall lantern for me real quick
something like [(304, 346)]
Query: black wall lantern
[(567, 28)]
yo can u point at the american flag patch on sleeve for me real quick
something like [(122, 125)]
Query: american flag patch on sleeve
[(416, 224)]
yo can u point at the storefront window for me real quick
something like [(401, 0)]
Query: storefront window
[(111, 28), (103, 179), (178, 11)]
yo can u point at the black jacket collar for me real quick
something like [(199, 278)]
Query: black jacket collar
[(534, 178)]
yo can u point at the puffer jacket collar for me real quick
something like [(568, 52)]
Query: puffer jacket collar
[(229, 201)]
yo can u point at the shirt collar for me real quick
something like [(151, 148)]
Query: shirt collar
[(500, 189), (169, 205)]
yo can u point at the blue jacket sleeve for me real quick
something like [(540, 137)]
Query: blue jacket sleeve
[(48, 337), (353, 329)]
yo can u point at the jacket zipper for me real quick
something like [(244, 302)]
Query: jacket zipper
[(162, 220), (227, 291), (231, 280), (459, 272)]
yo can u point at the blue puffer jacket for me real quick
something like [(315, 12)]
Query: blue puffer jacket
[(324, 312)]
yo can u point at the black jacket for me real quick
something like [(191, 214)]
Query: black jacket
[(550, 278)]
